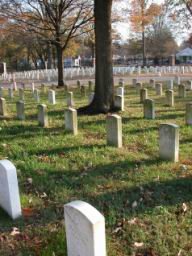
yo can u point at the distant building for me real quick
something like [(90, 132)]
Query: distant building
[(185, 56)]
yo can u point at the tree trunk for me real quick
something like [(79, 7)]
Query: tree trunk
[(103, 101), (60, 65), (143, 46), (49, 56)]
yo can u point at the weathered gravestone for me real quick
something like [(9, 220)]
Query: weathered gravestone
[(139, 86), (121, 83), (20, 106), (189, 113), (177, 80), (91, 86), (70, 101), (37, 95), (3, 107), (9, 191), (169, 98), (85, 230), (152, 83), (189, 85), (42, 115), (169, 142), (120, 91), (83, 90), (143, 95), (114, 131), (66, 87), (79, 84), (181, 91), (32, 88), (91, 97), (71, 120), (119, 102), (134, 81), (158, 89), (10, 93), (21, 94), (43, 88), (149, 109), (14, 86), (170, 85), (51, 97), (1, 91)]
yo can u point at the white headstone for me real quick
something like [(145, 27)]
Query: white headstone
[(85, 230), (51, 97), (9, 191), (169, 142)]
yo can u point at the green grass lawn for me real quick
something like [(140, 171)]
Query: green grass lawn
[(140, 196)]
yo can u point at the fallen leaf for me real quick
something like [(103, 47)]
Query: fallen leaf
[(179, 253), (134, 204), (133, 221), (136, 244), (15, 232), (27, 212), (184, 207)]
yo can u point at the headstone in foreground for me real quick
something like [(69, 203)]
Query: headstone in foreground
[(71, 120), (85, 230), (182, 91), (3, 107), (114, 131), (70, 101), (189, 113), (143, 95), (9, 191), (21, 94), (169, 142), (42, 115), (149, 109), (51, 97), (20, 106), (169, 98), (158, 89), (119, 102)]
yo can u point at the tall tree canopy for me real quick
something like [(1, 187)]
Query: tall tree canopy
[(142, 15)]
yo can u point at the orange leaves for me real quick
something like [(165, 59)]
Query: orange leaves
[(27, 212), (143, 15)]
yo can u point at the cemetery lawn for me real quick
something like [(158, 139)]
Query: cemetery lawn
[(147, 203)]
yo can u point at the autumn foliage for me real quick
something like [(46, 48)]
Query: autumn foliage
[(143, 14)]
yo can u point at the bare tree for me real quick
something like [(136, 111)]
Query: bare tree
[(56, 21)]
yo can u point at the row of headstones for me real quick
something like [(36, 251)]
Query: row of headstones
[(48, 74), (170, 82), (114, 122), (74, 72)]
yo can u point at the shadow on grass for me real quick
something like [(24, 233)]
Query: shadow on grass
[(129, 119), (65, 150), (169, 116), (143, 130), (155, 194), (184, 141), (170, 110), (27, 131)]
